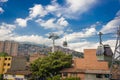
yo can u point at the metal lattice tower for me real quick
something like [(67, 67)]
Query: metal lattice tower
[(53, 36), (115, 66)]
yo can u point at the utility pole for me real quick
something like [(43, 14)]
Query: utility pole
[(115, 66), (53, 36)]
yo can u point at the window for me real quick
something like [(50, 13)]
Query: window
[(4, 64), (106, 75), (99, 76), (8, 64), (9, 59), (65, 74), (5, 58)]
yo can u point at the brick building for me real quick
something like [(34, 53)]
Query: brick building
[(36, 56), (88, 68)]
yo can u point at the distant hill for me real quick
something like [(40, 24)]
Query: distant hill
[(29, 48)]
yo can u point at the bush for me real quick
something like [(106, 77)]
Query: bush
[(1, 77), (72, 78), (3, 54), (57, 77)]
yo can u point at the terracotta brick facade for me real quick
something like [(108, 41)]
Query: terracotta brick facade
[(86, 68), (90, 61)]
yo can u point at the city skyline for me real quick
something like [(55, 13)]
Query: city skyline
[(79, 21)]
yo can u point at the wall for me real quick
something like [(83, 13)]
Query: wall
[(90, 61), (12, 77), (5, 64), (93, 77)]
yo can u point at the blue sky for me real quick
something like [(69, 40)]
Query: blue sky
[(77, 20)]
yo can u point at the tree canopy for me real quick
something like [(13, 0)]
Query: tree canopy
[(50, 65), (3, 54)]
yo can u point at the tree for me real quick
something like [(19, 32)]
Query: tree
[(1, 76), (51, 65), (72, 78), (3, 54)]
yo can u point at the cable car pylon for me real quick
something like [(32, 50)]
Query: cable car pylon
[(115, 65)]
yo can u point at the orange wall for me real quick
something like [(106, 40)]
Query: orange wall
[(90, 61)]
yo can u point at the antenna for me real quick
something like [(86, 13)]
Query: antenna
[(115, 66)]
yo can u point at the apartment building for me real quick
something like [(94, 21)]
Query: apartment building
[(5, 64), (10, 47)]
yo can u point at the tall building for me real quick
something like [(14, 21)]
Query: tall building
[(1, 46), (10, 47)]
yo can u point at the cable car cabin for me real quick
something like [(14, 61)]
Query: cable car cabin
[(104, 53), (100, 50), (65, 43)]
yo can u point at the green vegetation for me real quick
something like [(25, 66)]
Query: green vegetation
[(72, 78), (1, 77), (57, 77), (51, 65), (3, 54)]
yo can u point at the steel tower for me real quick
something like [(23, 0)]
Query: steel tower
[(115, 66), (53, 36)]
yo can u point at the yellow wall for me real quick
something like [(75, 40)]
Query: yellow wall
[(5, 64)]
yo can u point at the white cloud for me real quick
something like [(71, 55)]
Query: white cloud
[(6, 31), (62, 22), (75, 36), (37, 11), (1, 10), (31, 38), (118, 13), (111, 26), (3, 1), (51, 8), (74, 8), (79, 6), (70, 9), (80, 46), (21, 22), (53, 23)]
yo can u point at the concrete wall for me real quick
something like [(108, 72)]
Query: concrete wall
[(13, 77)]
